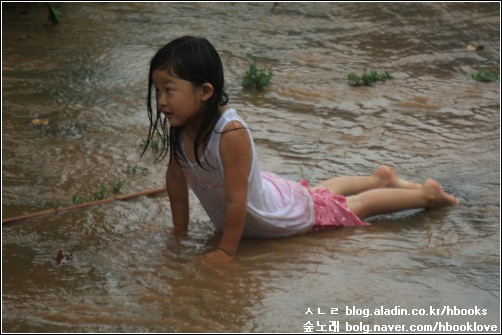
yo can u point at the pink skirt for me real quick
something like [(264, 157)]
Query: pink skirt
[(331, 210)]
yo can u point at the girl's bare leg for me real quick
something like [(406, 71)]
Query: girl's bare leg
[(389, 200), (384, 177)]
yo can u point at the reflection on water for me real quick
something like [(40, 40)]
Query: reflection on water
[(87, 77)]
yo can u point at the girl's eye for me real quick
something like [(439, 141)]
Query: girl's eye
[(161, 90)]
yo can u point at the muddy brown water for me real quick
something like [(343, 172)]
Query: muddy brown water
[(87, 77)]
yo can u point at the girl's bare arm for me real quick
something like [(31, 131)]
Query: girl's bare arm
[(236, 156), (177, 189)]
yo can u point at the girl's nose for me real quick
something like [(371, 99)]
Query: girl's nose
[(161, 100)]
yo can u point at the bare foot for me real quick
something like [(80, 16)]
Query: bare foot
[(391, 180), (436, 197)]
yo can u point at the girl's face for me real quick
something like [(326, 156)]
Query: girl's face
[(177, 99)]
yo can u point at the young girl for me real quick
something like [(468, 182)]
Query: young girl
[(212, 151)]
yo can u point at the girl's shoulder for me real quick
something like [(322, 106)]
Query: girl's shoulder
[(230, 120), (233, 125)]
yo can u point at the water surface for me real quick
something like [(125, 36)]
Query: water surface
[(87, 76)]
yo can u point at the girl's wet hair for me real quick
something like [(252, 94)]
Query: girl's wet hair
[(193, 59)]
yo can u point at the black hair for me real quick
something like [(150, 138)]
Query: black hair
[(193, 59)]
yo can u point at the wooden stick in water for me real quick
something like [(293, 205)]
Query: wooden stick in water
[(84, 205)]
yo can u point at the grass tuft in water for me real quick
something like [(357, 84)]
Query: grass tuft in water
[(135, 170), (256, 78), (486, 75), (104, 192), (367, 79)]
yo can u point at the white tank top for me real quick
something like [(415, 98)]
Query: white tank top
[(276, 207)]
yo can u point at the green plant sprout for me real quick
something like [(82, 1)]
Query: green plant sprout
[(154, 143), (486, 75), (104, 192), (256, 78), (135, 170), (367, 79), (54, 14)]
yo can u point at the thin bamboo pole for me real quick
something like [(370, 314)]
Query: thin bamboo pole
[(81, 206)]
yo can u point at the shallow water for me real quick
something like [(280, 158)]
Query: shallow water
[(87, 77)]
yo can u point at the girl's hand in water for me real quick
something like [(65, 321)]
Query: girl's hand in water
[(217, 257)]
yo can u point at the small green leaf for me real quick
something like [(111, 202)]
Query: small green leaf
[(54, 14)]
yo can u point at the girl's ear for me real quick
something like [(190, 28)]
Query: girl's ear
[(207, 91)]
